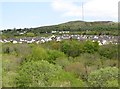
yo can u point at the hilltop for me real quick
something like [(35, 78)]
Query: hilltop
[(80, 25)]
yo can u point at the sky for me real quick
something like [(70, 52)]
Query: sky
[(36, 13)]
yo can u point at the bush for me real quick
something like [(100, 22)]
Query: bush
[(91, 47), (71, 48), (7, 50), (75, 48), (43, 74), (54, 54), (8, 79), (65, 79), (38, 53), (77, 68), (36, 73), (103, 77), (62, 61), (109, 51)]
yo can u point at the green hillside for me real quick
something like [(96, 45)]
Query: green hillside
[(79, 27)]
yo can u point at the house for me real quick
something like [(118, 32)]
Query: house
[(42, 41), (58, 38), (64, 32), (96, 37), (66, 37), (102, 39), (1, 41), (54, 32), (104, 42), (14, 42)]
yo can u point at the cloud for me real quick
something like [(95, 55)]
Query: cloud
[(68, 8), (92, 8), (102, 8)]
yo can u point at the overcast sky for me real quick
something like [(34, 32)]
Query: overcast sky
[(35, 13)]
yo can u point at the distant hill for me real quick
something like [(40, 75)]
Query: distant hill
[(78, 26), (83, 24), (72, 26)]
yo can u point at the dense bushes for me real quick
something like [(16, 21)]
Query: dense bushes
[(43, 74), (54, 54), (65, 79), (74, 48), (104, 77), (91, 47), (36, 73), (38, 53), (69, 63), (71, 48), (109, 51)]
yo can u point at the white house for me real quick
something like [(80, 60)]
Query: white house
[(58, 39), (42, 40), (104, 42), (14, 42)]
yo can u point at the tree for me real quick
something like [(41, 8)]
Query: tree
[(77, 68), (38, 53), (66, 79), (30, 34), (43, 74), (103, 77), (91, 47), (109, 51), (54, 54), (6, 50), (71, 48), (112, 83), (36, 73)]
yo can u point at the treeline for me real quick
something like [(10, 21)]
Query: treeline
[(68, 63), (79, 27)]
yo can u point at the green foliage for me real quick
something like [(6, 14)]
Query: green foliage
[(36, 73), (88, 59), (43, 74), (77, 68), (6, 50), (112, 83), (55, 45), (65, 79), (71, 48), (30, 34), (103, 77), (9, 66), (8, 80), (54, 54), (38, 53), (91, 47), (68, 63), (109, 51), (74, 48), (16, 49), (62, 61)]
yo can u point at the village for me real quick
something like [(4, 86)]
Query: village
[(102, 39)]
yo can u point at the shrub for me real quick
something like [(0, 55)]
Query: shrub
[(38, 53), (54, 54), (109, 51), (43, 74), (103, 76), (71, 48), (65, 79), (36, 73), (91, 47)]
